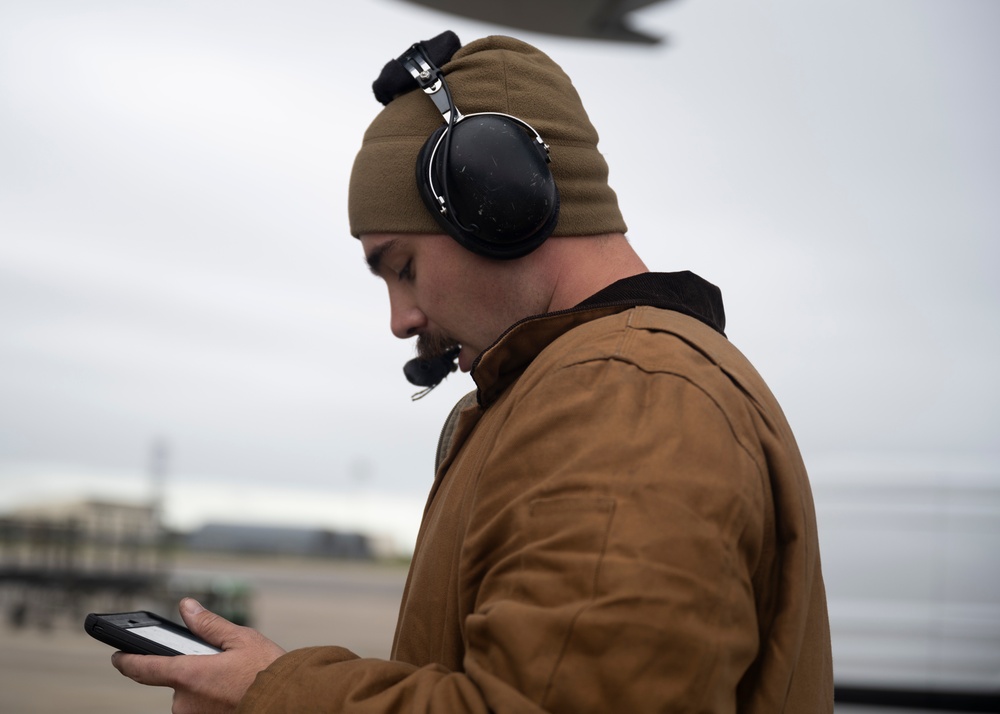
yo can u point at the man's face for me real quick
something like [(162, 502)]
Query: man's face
[(446, 295)]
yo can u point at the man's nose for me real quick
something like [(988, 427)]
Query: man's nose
[(407, 320)]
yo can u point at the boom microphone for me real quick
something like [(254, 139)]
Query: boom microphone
[(430, 373)]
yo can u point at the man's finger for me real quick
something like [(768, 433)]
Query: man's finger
[(144, 669)]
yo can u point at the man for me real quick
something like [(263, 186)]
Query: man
[(620, 520)]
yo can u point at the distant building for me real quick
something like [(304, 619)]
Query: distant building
[(81, 536), (278, 540), (95, 520)]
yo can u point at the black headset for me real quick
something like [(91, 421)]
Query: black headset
[(484, 177)]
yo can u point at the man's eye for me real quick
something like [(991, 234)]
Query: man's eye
[(407, 271)]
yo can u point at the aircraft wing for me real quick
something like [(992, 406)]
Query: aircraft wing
[(587, 19)]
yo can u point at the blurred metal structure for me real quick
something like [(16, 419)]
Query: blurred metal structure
[(585, 19), (60, 558)]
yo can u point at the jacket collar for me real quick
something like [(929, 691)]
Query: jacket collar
[(504, 361)]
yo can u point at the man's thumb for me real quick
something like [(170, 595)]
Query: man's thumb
[(210, 627)]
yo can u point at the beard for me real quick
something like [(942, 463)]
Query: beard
[(433, 345)]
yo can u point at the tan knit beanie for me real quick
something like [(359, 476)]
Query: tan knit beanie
[(494, 74)]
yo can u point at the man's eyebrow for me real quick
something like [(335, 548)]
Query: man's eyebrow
[(374, 259)]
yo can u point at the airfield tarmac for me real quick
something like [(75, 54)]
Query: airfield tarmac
[(296, 602)]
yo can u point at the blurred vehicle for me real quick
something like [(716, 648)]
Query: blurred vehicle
[(230, 597), (910, 560)]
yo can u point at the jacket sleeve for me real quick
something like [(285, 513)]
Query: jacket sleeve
[(607, 566), (333, 679)]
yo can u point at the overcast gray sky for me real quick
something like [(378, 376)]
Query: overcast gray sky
[(175, 261)]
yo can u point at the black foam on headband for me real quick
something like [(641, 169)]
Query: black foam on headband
[(395, 80)]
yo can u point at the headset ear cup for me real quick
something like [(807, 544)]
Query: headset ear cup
[(430, 199), (502, 201)]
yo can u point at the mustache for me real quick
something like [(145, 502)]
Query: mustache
[(433, 345)]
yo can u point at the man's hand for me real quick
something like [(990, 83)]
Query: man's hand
[(205, 683)]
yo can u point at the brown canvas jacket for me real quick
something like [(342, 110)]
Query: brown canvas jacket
[(622, 523)]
